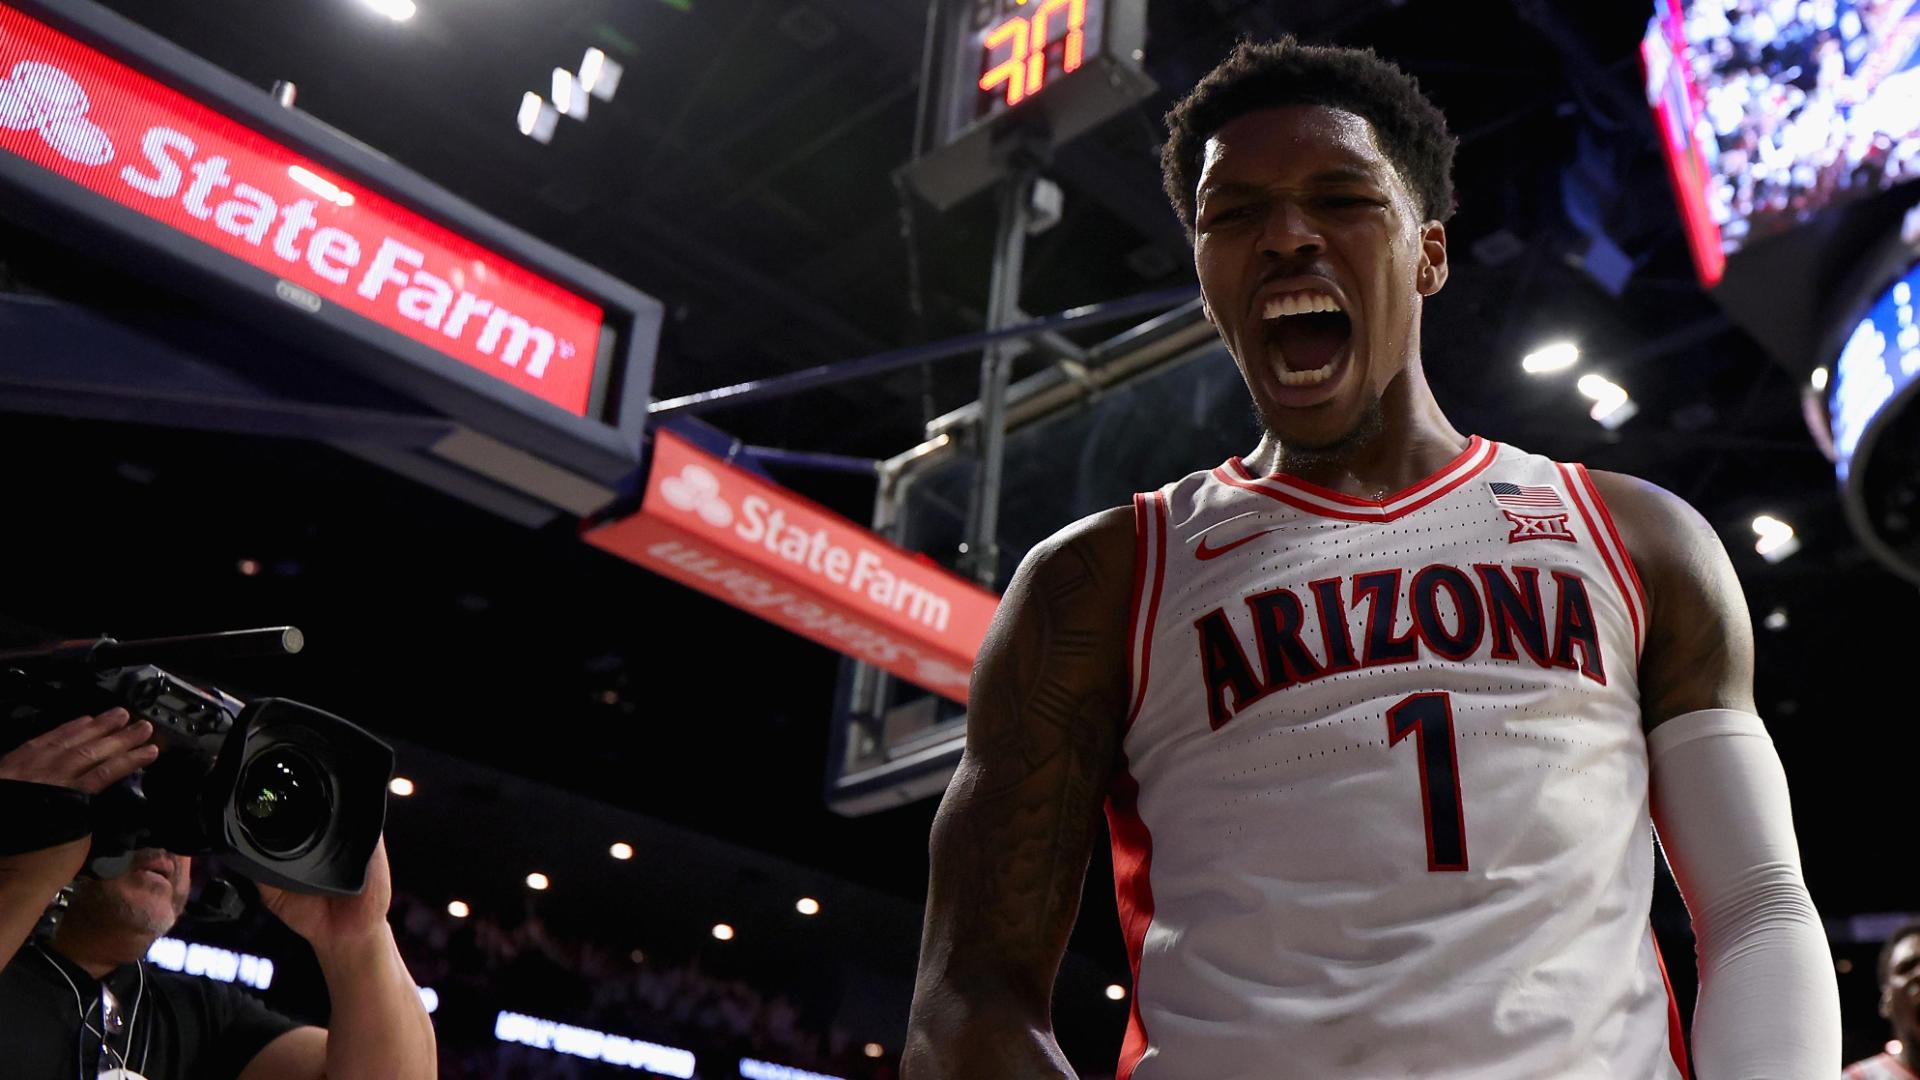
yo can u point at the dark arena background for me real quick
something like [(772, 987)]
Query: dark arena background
[(639, 794)]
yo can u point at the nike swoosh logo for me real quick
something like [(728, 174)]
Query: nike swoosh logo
[(1203, 552)]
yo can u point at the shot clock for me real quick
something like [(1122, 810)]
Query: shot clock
[(1052, 67), (1021, 44)]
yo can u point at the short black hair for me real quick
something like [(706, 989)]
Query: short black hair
[(1907, 930), (1261, 75)]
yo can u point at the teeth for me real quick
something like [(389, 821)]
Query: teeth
[(1306, 378), (1299, 303)]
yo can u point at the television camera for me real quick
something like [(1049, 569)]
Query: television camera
[(281, 792)]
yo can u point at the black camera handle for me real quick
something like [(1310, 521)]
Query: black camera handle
[(38, 816), (105, 652)]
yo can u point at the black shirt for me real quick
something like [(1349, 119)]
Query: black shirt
[(185, 1027)]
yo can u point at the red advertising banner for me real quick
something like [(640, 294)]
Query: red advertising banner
[(773, 554), (77, 113)]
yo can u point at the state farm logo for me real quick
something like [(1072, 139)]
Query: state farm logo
[(40, 97), (697, 491), (841, 558)]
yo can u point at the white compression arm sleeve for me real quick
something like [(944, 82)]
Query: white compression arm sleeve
[(1769, 1007)]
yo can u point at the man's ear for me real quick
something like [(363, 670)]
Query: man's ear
[(1434, 267)]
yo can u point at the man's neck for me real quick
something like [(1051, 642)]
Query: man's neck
[(97, 953), (1414, 441)]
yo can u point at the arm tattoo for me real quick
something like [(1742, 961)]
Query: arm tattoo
[(1020, 819)]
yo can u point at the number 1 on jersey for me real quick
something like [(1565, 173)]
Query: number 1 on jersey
[(1429, 719)]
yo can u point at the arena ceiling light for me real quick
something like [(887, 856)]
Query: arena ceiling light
[(722, 932), (538, 882), (807, 905), (1820, 377), (622, 851), (1776, 619), (458, 909), (1776, 538), (400, 786), (568, 95), (600, 76), (397, 10), (1549, 359), (537, 119), (874, 1050), (1116, 992), (1612, 406), (568, 98)]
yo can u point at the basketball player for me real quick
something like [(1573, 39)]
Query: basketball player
[(1899, 971), (1382, 713)]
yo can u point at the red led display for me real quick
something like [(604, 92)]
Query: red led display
[(1025, 45)]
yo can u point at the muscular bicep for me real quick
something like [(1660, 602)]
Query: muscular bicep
[(1699, 647), (1015, 831)]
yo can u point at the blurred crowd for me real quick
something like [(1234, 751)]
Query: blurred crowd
[(527, 968), (1807, 100)]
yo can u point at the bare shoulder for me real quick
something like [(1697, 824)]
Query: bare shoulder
[(1105, 538), (1699, 649), (1657, 526), (1063, 620)]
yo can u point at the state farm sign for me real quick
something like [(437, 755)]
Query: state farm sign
[(79, 114), (767, 551)]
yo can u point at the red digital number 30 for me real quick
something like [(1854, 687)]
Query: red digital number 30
[(1024, 71)]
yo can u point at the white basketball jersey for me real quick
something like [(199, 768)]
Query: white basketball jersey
[(1384, 805)]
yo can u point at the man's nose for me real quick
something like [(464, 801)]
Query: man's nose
[(1291, 231)]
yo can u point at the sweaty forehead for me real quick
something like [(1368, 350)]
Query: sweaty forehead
[(1293, 141)]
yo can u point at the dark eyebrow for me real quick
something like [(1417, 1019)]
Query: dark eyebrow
[(1324, 178)]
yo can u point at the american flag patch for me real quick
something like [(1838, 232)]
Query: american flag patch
[(1527, 498)]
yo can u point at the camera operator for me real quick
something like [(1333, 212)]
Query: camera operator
[(84, 1004)]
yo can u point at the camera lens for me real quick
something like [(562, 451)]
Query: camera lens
[(285, 801)]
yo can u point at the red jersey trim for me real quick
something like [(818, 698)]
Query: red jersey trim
[(1150, 519), (1133, 891), (1602, 545), (1314, 499), (1606, 518), (1676, 1035)]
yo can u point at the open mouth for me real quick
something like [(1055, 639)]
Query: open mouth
[(1308, 333)]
